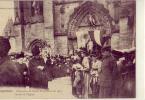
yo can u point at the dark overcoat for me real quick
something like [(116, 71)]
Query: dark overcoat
[(107, 76), (9, 73), (38, 78)]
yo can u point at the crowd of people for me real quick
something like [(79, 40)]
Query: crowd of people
[(103, 74), (40, 68), (34, 70), (110, 74)]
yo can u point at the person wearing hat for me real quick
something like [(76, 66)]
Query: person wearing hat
[(107, 74), (37, 69), (9, 73)]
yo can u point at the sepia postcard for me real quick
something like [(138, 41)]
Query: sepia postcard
[(68, 49)]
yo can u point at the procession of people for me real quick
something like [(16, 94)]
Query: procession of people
[(104, 74)]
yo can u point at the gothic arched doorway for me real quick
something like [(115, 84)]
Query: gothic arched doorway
[(37, 42), (88, 19)]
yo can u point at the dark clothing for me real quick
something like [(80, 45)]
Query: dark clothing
[(9, 73), (118, 82), (107, 76), (38, 77), (4, 46), (50, 69), (23, 68), (127, 89), (105, 92)]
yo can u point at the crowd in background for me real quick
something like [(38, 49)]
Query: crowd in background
[(103, 74)]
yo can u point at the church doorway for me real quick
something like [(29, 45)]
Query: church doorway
[(90, 21)]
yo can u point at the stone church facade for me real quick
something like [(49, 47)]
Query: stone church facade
[(63, 23)]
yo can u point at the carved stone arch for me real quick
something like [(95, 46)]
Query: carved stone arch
[(36, 42), (83, 10)]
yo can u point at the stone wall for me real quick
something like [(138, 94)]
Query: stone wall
[(55, 25), (18, 38), (61, 18), (44, 30), (61, 45), (33, 31), (48, 23), (125, 39)]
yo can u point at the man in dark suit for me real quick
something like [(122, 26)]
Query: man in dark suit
[(38, 70), (108, 73)]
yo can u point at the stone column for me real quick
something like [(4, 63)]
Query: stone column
[(125, 34), (123, 23), (48, 22), (114, 7)]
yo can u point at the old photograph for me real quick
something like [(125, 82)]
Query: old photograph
[(68, 48)]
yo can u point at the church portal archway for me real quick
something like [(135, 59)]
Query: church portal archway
[(89, 17), (37, 42)]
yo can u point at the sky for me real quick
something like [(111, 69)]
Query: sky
[(6, 12)]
